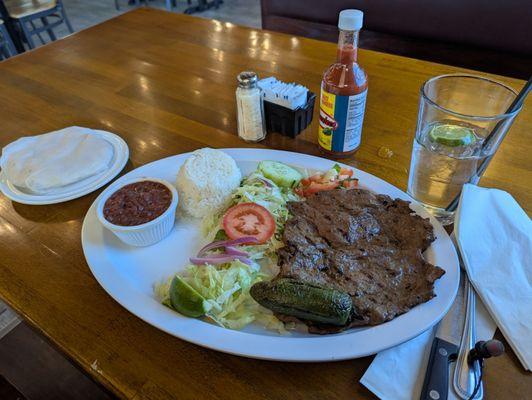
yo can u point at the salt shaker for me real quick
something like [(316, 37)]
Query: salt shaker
[(250, 108)]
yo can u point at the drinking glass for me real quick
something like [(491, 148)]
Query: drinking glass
[(461, 121)]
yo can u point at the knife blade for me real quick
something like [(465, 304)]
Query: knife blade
[(444, 349)]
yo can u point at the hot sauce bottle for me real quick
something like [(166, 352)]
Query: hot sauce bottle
[(343, 92)]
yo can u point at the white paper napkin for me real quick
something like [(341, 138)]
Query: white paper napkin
[(398, 373), (495, 239)]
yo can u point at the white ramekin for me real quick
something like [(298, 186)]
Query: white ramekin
[(146, 234)]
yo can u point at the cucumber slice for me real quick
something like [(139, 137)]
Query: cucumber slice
[(280, 173)]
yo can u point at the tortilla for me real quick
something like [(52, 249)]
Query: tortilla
[(45, 163)]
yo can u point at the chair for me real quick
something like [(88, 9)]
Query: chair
[(169, 3), (26, 12), (7, 48), (135, 3), (203, 5)]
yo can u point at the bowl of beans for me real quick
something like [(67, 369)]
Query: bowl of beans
[(140, 212)]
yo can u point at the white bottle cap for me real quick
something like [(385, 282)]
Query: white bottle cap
[(350, 20)]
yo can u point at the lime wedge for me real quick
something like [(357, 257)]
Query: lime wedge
[(452, 135), (186, 300)]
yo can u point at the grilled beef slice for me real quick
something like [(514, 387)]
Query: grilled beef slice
[(365, 244)]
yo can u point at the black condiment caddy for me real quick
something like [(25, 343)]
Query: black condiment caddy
[(289, 122)]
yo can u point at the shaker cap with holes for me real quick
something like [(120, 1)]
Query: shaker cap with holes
[(247, 79)]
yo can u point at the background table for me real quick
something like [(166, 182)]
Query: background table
[(165, 83)]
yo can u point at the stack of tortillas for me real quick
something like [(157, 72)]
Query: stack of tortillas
[(45, 164)]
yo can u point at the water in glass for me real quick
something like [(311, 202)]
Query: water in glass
[(445, 156)]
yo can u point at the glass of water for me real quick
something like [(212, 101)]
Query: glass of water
[(456, 115)]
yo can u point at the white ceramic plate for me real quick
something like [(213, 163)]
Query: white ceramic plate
[(128, 275), (78, 189)]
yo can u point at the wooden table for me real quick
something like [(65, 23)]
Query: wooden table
[(165, 83)]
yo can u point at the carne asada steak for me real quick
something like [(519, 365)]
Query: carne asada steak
[(367, 245)]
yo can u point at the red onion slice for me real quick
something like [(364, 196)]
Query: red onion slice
[(233, 251), (266, 183), (225, 243)]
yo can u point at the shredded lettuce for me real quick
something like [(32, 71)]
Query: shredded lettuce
[(226, 289), (272, 197), (162, 291)]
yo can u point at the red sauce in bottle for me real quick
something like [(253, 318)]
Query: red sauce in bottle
[(343, 93)]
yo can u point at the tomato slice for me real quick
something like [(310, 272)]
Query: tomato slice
[(346, 171), (249, 219), (316, 178), (304, 182), (350, 184), (316, 187)]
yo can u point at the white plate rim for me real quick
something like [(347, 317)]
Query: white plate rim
[(313, 348), (121, 156)]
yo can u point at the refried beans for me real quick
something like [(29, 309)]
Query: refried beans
[(137, 203)]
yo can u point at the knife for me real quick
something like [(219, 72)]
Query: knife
[(444, 350)]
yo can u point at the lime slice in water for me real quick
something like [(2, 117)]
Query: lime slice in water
[(452, 135), (186, 300)]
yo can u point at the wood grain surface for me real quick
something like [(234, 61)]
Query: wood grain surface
[(165, 83)]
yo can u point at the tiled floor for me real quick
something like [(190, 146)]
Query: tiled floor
[(84, 13), (8, 319)]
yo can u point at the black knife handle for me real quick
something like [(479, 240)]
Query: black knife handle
[(436, 383)]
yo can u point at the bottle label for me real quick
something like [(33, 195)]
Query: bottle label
[(341, 120)]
